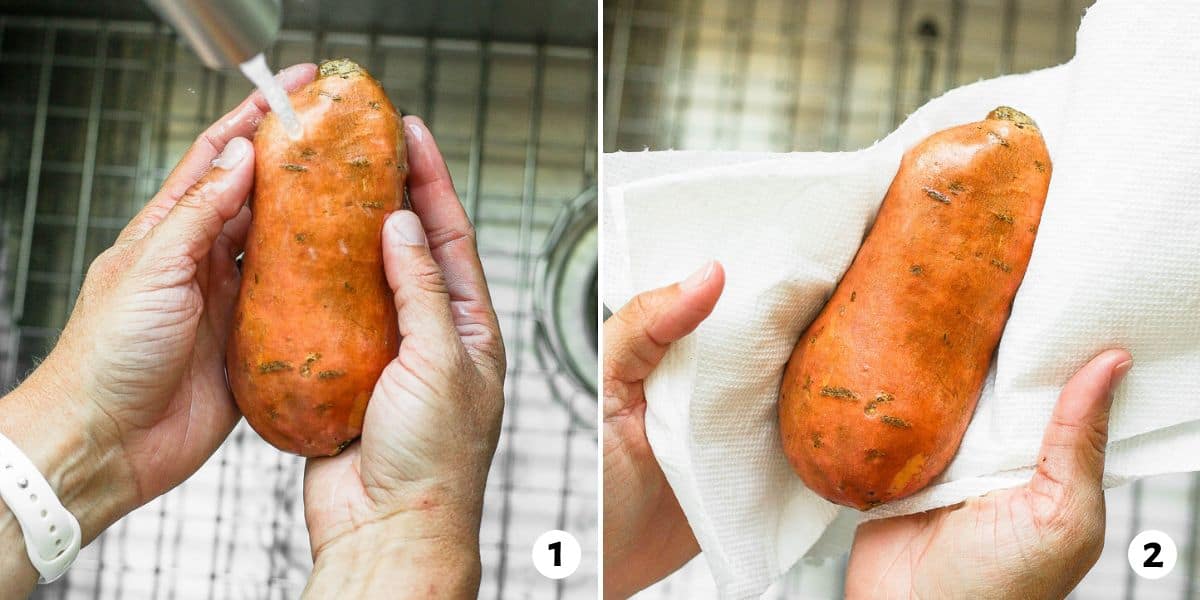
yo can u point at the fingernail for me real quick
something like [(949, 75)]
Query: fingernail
[(288, 77), (416, 131), (407, 227), (696, 279), (1121, 370), (235, 150)]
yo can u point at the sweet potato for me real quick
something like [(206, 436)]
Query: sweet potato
[(314, 323), (882, 385)]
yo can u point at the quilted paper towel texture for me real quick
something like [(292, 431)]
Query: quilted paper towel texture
[(1115, 264)]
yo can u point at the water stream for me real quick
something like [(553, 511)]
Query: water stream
[(257, 71)]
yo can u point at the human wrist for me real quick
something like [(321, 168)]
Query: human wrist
[(421, 553), (47, 419)]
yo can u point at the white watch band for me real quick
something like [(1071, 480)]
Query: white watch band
[(52, 535)]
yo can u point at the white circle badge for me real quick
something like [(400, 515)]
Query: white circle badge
[(1152, 554), (556, 554)]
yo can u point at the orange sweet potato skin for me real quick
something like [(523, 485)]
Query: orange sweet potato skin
[(314, 323), (881, 386)]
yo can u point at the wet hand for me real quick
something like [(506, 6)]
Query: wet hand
[(133, 398), (407, 498)]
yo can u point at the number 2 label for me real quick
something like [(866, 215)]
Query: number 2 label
[(1152, 554), (1154, 548)]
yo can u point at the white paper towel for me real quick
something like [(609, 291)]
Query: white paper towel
[(1116, 264)]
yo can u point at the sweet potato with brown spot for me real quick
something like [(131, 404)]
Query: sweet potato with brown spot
[(881, 386), (314, 323)]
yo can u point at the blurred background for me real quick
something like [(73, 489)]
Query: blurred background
[(98, 100), (781, 75), (798, 75)]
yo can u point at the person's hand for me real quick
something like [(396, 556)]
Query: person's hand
[(646, 536), (1036, 541), (133, 399), (398, 511)]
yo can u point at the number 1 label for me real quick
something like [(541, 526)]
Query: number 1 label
[(556, 554)]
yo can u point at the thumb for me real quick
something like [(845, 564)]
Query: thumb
[(194, 222), (1072, 455), (637, 336), (418, 284)]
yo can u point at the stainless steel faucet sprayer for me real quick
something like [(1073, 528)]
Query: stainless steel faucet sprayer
[(223, 33)]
